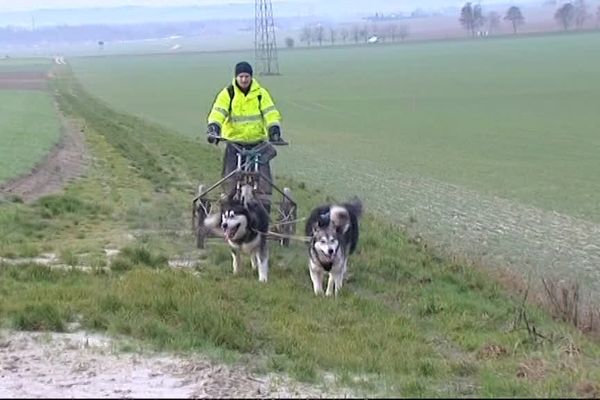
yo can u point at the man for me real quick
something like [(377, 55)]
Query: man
[(244, 113)]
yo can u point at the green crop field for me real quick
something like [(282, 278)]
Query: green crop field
[(408, 323), (513, 118), (29, 128)]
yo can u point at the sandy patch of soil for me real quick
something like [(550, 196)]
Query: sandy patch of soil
[(78, 364)]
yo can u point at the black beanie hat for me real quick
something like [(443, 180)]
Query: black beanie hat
[(242, 67)]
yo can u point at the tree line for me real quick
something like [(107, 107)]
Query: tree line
[(570, 14), (472, 18), (319, 34), (575, 14)]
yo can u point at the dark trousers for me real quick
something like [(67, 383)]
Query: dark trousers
[(264, 191)]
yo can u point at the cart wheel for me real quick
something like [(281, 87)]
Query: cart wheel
[(201, 209), (287, 216)]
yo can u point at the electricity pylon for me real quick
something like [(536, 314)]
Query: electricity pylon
[(265, 46)]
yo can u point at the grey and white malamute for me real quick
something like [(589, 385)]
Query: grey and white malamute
[(243, 225), (333, 232)]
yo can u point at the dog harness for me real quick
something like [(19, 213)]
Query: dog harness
[(327, 265)]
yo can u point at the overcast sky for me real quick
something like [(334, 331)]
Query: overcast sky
[(28, 5)]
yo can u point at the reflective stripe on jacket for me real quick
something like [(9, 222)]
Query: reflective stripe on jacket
[(250, 118)]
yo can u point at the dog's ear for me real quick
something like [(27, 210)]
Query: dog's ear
[(315, 228), (323, 220)]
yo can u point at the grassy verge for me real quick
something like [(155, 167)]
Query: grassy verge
[(407, 323)]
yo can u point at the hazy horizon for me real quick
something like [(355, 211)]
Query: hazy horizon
[(39, 13), (116, 20), (10, 6)]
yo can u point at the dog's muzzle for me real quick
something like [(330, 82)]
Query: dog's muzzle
[(326, 259), (229, 230)]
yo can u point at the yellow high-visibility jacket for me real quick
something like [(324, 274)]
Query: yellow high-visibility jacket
[(251, 115)]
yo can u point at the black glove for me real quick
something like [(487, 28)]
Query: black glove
[(274, 134), (214, 133)]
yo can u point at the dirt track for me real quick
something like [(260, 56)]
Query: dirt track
[(66, 161)]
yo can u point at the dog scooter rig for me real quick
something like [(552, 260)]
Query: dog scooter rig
[(247, 176)]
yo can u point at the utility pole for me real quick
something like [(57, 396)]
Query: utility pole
[(265, 46)]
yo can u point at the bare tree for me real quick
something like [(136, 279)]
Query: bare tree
[(319, 34), (392, 31), (479, 19), (471, 18), (306, 35), (403, 31), (289, 42), (356, 33), (581, 13), (565, 15), (467, 19), (364, 33), (515, 17), (344, 33), (332, 35), (493, 19)]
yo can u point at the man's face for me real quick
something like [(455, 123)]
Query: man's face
[(244, 80)]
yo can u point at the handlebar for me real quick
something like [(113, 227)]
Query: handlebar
[(221, 139)]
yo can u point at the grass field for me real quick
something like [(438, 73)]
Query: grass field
[(407, 324), (511, 118), (29, 128), (24, 64)]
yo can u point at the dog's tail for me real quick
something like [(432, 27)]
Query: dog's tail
[(355, 207), (346, 214)]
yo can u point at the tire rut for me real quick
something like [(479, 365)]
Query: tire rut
[(64, 163)]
